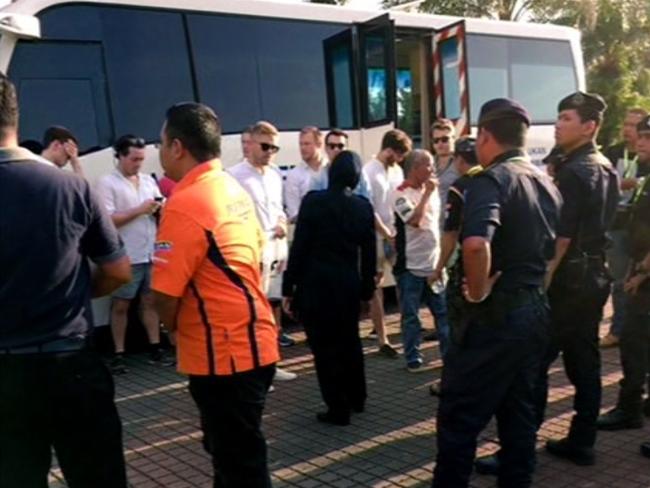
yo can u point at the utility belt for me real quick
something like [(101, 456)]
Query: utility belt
[(581, 271), (66, 345), (494, 309)]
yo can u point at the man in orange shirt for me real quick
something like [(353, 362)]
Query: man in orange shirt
[(208, 290)]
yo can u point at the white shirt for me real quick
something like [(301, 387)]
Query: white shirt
[(298, 184), (382, 183), (422, 243), (266, 191), (120, 195)]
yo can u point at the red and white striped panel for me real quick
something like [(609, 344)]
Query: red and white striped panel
[(458, 31)]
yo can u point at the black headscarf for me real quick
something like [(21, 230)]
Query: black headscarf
[(344, 171)]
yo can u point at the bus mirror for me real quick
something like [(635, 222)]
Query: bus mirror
[(19, 25)]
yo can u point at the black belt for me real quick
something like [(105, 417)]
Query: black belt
[(57, 346)]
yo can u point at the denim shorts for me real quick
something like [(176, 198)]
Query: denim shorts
[(140, 282)]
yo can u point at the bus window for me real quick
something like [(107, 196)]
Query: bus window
[(450, 77), (62, 83), (535, 72), (255, 68)]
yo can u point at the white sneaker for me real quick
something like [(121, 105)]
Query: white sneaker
[(271, 389), (284, 375)]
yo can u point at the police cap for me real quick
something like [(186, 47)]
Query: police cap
[(465, 147), (644, 125), (589, 105), (503, 108)]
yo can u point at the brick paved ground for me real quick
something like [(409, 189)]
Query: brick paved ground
[(391, 445)]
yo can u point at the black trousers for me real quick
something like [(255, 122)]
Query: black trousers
[(338, 358), (493, 373), (575, 320), (231, 418), (635, 354), (65, 401)]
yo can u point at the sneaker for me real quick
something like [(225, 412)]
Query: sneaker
[(284, 375), (285, 341), (271, 389), (418, 367), (388, 351), (610, 340), (161, 358), (117, 365), (488, 465)]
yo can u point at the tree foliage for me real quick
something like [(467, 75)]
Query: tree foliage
[(615, 41)]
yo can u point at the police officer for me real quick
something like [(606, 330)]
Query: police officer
[(579, 282), (628, 413), (54, 390), (511, 209)]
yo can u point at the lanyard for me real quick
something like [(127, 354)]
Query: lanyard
[(640, 189), (629, 165)]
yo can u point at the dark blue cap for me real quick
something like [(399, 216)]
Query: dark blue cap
[(503, 108), (587, 102)]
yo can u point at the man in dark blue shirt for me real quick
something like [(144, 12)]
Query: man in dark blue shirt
[(509, 219), (54, 390), (579, 283)]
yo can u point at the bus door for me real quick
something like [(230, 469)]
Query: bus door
[(450, 83), (360, 73)]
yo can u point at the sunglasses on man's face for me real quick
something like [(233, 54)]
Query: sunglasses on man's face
[(443, 139), (336, 145), (266, 147)]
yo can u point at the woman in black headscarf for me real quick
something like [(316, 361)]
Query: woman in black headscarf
[(331, 269)]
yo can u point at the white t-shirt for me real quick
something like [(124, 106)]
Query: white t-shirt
[(120, 195), (266, 191), (298, 184), (382, 183), (422, 243)]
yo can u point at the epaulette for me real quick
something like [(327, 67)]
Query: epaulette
[(474, 170)]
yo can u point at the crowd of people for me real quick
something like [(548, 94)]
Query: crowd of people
[(511, 260)]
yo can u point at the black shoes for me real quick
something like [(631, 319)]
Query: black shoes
[(618, 419), (117, 365), (488, 465), (645, 449), (563, 448), (434, 388), (333, 419)]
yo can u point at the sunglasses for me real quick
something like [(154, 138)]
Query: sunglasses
[(444, 139), (266, 147), (336, 145)]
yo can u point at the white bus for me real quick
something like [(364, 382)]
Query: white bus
[(104, 68)]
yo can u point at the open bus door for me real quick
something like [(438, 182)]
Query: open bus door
[(360, 73), (450, 82)]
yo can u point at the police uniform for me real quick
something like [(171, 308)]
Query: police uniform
[(492, 371), (581, 284), (635, 337)]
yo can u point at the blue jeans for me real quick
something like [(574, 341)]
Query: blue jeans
[(412, 291)]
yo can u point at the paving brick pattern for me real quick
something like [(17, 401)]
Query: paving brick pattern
[(392, 444)]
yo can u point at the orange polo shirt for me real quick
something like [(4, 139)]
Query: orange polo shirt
[(208, 254)]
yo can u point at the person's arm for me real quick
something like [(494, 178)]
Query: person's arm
[(418, 212), (102, 245), (482, 218), (292, 194), (569, 225), (447, 246), (368, 255), (180, 247), (72, 151), (299, 252), (148, 207)]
